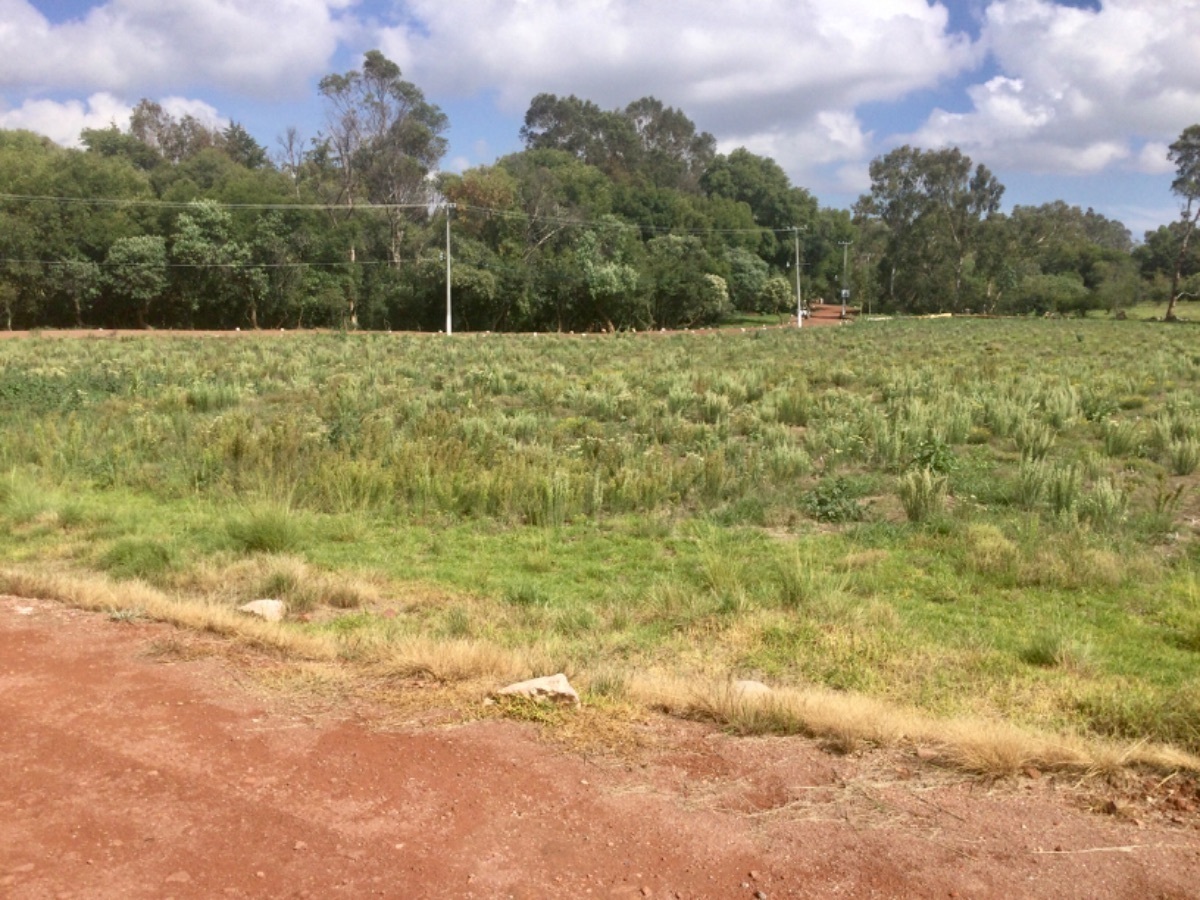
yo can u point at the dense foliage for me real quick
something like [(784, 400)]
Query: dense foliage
[(608, 219)]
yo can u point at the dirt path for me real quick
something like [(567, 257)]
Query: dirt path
[(126, 773), (822, 315)]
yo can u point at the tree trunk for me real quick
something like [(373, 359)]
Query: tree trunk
[(1190, 219), (352, 309)]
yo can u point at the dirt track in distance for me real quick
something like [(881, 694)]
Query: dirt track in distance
[(823, 315)]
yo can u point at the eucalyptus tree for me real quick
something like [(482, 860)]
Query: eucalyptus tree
[(775, 203), (1185, 154), (932, 203), (1058, 248), (381, 141), (647, 143)]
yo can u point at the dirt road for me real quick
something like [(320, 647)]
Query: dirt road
[(129, 772)]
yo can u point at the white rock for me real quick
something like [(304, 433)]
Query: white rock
[(24, 610), (551, 687), (271, 610), (745, 689)]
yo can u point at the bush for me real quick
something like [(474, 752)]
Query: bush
[(922, 494), (832, 501), (265, 531), (138, 558)]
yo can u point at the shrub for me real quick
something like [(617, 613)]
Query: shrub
[(138, 558), (1034, 439), (1106, 504), (1063, 485), (1032, 478), (922, 494), (833, 501), (1120, 437), (265, 531), (1183, 455)]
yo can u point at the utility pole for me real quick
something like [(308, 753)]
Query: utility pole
[(449, 327), (799, 294), (845, 245)]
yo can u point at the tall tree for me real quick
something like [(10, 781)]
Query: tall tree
[(672, 153), (601, 138), (216, 278), (136, 272), (242, 148), (382, 140), (1185, 153), (173, 139), (647, 142), (932, 203), (762, 184)]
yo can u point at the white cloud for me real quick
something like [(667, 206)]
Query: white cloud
[(828, 137), (62, 122), (1153, 159), (126, 46), (782, 74), (1081, 89)]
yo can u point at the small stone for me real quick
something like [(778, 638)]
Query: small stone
[(927, 754), (271, 610), (760, 895), (1031, 772), (552, 687), (753, 875), (747, 689), (299, 845), (180, 877)]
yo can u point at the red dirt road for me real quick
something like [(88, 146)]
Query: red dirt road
[(125, 773)]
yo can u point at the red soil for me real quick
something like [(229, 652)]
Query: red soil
[(128, 773)]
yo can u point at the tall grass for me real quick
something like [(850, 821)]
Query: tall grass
[(877, 509)]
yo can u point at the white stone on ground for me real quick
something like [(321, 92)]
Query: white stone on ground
[(271, 610), (551, 687)]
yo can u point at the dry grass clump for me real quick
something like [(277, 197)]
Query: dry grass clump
[(848, 721), (101, 595), (470, 668), (450, 661), (301, 586)]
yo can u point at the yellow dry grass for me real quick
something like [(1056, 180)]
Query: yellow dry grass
[(845, 720), (474, 667)]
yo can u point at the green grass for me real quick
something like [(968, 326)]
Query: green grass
[(988, 518)]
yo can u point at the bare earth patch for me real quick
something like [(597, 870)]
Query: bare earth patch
[(126, 772)]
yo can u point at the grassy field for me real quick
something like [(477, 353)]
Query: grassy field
[(986, 519)]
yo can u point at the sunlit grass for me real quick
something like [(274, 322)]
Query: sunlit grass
[(968, 519)]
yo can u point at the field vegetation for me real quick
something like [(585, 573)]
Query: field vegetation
[(960, 519)]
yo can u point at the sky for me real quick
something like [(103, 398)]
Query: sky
[(1073, 100)]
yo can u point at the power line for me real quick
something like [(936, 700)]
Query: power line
[(247, 265), (428, 207), (189, 204)]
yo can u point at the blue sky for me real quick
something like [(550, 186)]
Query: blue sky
[(1074, 100)]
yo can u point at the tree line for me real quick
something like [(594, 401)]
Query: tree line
[(606, 219)]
